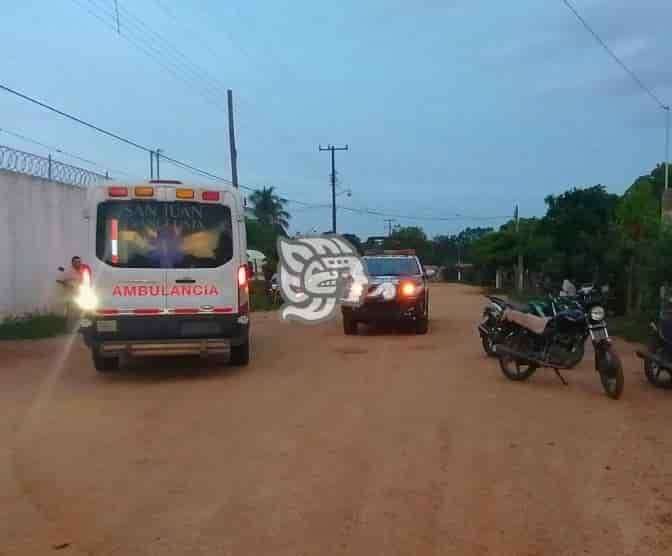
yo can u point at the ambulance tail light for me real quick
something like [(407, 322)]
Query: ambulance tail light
[(86, 278), (242, 276), (86, 298), (243, 295)]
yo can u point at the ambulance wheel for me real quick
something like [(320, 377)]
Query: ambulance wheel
[(104, 364), (240, 355), (349, 325)]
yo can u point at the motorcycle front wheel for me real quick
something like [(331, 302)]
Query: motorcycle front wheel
[(488, 345), (611, 373)]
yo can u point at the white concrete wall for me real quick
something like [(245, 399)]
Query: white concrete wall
[(41, 228)]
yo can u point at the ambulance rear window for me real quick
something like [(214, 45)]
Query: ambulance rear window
[(163, 234)]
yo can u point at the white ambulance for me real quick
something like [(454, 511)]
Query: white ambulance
[(169, 273)]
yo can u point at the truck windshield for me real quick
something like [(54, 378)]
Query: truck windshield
[(163, 234), (391, 266)]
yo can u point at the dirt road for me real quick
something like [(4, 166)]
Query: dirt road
[(380, 444)]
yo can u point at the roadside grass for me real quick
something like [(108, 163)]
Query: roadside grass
[(33, 327)]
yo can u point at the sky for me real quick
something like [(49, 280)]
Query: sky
[(454, 111)]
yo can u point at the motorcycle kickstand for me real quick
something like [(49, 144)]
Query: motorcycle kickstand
[(562, 378)]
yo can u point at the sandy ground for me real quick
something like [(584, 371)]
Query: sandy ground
[(379, 444)]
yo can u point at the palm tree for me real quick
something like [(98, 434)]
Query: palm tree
[(269, 209)]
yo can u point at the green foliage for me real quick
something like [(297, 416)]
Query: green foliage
[(577, 224), (262, 237), (501, 248), (355, 241), (33, 327), (270, 209)]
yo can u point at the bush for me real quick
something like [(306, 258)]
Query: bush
[(33, 327)]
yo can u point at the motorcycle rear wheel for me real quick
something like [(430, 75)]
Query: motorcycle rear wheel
[(611, 374), (514, 369)]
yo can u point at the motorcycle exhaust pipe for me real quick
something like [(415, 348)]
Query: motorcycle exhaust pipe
[(500, 349)]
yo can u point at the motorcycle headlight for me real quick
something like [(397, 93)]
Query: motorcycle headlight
[(495, 310), (597, 313)]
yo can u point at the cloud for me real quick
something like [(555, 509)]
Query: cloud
[(568, 60)]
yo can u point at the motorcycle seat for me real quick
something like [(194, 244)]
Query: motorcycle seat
[(533, 323), (510, 304)]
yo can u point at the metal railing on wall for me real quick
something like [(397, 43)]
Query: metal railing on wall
[(31, 164)]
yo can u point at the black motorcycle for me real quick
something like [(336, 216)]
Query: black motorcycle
[(493, 329), (658, 357), (558, 343)]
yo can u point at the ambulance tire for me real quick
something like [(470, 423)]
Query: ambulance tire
[(104, 364), (240, 355)]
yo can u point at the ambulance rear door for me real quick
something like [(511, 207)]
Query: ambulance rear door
[(202, 278)]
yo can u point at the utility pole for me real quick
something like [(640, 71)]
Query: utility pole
[(389, 225), (666, 198), (158, 156), (232, 141), (459, 260), (667, 144), (151, 165), (519, 268), (333, 181)]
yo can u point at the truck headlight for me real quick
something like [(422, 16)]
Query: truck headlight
[(87, 299), (597, 313)]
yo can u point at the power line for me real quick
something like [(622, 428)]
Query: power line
[(611, 53), (98, 129), (161, 50), (637, 80), (74, 118), (374, 212), (132, 31), (213, 176)]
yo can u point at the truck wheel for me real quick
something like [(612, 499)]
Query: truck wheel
[(422, 325), (349, 325), (240, 355), (104, 364)]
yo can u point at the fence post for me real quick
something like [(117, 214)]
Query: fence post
[(49, 167)]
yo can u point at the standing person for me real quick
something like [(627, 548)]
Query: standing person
[(72, 279), (75, 274)]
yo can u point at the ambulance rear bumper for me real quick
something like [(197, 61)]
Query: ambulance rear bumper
[(166, 348), (166, 334)]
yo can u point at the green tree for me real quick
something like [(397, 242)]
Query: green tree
[(412, 237), (578, 224), (355, 241), (270, 209), (638, 226), (262, 237)]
